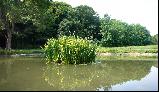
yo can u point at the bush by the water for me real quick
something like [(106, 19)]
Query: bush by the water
[(69, 50)]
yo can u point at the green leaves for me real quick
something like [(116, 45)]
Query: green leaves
[(69, 50), (117, 33), (154, 39), (89, 21), (69, 28)]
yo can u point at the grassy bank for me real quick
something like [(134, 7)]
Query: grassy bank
[(20, 51), (127, 58), (128, 49)]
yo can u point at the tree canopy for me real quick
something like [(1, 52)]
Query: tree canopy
[(29, 23), (118, 33), (15, 11)]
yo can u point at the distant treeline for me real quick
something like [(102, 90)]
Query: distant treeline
[(59, 18)]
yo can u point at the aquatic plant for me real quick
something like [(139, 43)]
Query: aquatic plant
[(69, 50)]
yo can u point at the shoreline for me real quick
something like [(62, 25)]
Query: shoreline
[(98, 54), (128, 54)]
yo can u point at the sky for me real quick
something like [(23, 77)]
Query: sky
[(144, 12)]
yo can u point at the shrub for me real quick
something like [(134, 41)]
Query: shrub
[(69, 50)]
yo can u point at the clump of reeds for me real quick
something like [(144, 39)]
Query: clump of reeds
[(69, 50)]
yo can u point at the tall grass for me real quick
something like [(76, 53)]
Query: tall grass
[(69, 50)]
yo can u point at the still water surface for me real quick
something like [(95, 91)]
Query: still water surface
[(33, 74)]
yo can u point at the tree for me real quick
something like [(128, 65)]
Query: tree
[(14, 11), (57, 12), (104, 26), (155, 39), (89, 21), (69, 27), (138, 35), (113, 31), (117, 33)]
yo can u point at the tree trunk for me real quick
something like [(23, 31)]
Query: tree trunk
[(8, 26), (9, 39), (9, 36)]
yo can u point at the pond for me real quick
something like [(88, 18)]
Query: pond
[(31, 73)]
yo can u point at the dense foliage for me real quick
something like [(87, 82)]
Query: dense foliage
[(29, 23), (20, 11), (69, 50), (118, 33), (155, 39)]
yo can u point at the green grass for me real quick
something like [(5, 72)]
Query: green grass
[(126, 58), (20, 51), (129, 49)]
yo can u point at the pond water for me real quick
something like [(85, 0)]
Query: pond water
[(24, 73)]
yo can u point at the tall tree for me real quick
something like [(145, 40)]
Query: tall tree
[(89, 21), (117, 33), (138, 35), (13, 11), (57, 12)]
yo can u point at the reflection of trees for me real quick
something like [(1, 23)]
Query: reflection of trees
[(5, 69), (28, 74), (21, 74), (90, 77), (156, 65)]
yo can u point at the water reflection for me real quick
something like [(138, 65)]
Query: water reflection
[(21, 74), (95, 77), (147, 83), (33, 74)]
